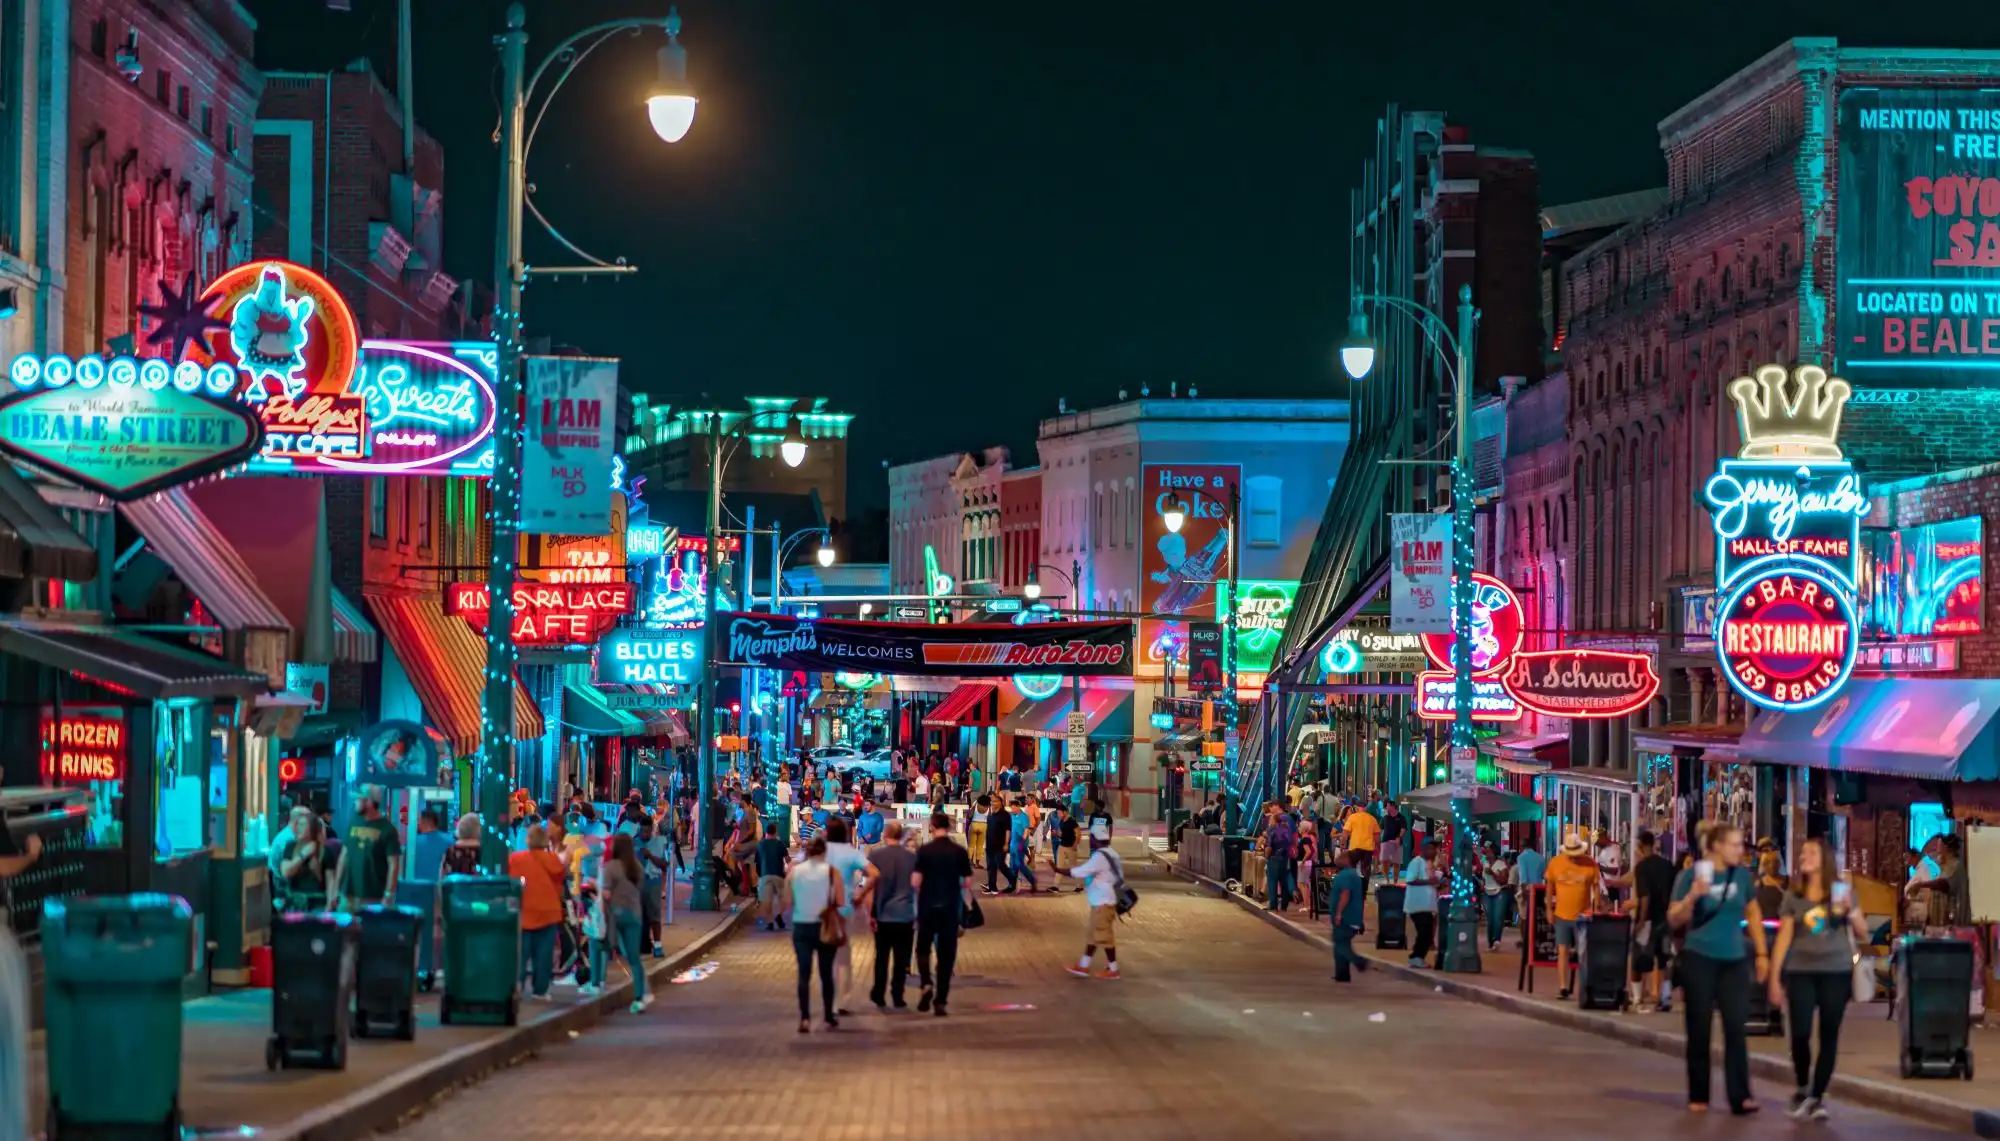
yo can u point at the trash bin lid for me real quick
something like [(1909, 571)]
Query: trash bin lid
[(152, 911)]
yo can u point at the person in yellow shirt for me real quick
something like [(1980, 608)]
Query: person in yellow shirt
[(1363, 833), (1574, 882)]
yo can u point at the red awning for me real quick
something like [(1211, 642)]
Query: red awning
[(973, 703), (446, 661), (184, 538)]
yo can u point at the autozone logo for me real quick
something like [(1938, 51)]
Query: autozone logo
[(1075, 652)]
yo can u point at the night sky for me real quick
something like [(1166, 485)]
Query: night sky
[(943, 215)]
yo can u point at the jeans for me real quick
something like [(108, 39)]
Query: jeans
[(1343, 952), (806, 945), (1707, 986), (996, 865), (538, 957), (625, 928), (1829, 993), (893, 941), (1426, 923), (937, 927), (1278, 883), (1017, 865), (1496, 917)]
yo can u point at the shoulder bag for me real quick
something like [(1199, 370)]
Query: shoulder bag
[(1127, 898), (832, 928)]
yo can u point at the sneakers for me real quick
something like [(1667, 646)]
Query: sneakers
[(638, 1008), (1817, 1109), (589, 990), (1108, 973), (1795, 1106), (1079, 972), (924, 1001), (646, 1001), (938, 1010)]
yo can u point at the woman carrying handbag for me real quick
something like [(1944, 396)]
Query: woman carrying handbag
[(818, 930), (1814, 968)]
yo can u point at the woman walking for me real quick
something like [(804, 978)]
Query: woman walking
[(1714, 902), (851, 865), (1812, 969), (542, 876), (618, 892), (815, 890)]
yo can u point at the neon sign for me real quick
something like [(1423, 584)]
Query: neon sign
[(122, 427), (548, 614), (649, 657), (677, 592), (1581, 683), (1786, 636), (856, 681), (1035, 687), (1923, 581), (645, 541), (289, 331), (1496, 629), (1263, 606), (1787, 522), (1437, 695), (81, 748)]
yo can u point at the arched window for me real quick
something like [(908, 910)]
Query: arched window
[(1755, 282), (1700, 293), (1727, 294), (1618, 377), (1784, 262), (1659, 363)]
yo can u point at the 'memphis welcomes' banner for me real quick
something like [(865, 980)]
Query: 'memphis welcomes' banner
[(771, 641)]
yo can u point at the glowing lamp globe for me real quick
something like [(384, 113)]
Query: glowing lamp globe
[(1357, 351), (1174, 515), (825, 555), (672, 115), (1032, 590), (793, 451)]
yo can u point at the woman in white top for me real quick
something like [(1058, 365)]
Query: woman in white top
[(814, 886), (851, 864)]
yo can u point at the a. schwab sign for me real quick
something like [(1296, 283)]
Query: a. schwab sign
[(770, 641)]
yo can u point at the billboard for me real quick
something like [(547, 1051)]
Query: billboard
[(566, 457), (1918, 238), (1923, 581), (772, 641), (1179, 570)]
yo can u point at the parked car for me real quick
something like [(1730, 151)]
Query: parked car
[(877, 763)]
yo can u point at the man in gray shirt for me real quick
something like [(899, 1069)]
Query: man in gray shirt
[(891, 902)]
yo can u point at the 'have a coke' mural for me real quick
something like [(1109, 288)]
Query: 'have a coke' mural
[(1508, 681), (1787, 514)]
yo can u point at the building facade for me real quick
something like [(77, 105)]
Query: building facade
[(670, 445)]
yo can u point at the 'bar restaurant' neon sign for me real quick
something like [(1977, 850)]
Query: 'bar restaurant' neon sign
[(1787, 525)]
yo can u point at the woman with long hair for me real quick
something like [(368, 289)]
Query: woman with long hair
[(1714, 904), (815, 889), (1812, 969), (618, 893)]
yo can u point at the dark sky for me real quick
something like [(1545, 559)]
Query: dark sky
[(945, 214)]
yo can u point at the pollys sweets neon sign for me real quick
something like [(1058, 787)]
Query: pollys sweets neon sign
[(1787, 515)]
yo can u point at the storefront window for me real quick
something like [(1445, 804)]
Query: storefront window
[(88, 746), (182, 761), (1927, 821)]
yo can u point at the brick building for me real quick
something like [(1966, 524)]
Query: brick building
[(1020, 527)]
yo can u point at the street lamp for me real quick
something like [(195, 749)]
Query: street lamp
[(1174, 514), (701, 894), (510, 273), (1357, 355), (670, 107), (825, 554), (1033, 589)]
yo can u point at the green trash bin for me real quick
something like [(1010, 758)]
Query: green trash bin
[(482, 951), (112, 971)]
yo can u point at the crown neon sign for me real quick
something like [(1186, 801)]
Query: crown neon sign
[(1787, 517)]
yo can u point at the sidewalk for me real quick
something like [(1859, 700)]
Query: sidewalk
[(224, 1085), (1868, 1041)]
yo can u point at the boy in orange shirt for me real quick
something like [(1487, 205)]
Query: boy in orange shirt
[(1574, 882)]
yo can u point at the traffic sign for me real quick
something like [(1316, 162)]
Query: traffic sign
[(1205, 766), (1076, 749), (1081, 768), (1464, 771), (1003, 606), (912, 613), (1079, 725)]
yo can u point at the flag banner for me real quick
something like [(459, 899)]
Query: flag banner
[(1420, 574), (571, 418)]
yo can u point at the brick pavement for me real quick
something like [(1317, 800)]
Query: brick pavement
[(224, 1083), (1868, 1048), (1224, 1028)]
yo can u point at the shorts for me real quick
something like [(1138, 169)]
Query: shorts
[(770, 889), (1066, 858), (1102, 925), (1566, 933), (1650, 953)]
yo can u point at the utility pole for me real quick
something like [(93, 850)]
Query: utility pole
[(1459, 941)]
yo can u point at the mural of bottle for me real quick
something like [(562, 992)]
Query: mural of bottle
[(1194, 577)]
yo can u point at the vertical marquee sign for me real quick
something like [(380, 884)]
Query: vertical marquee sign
[(1787, 515)]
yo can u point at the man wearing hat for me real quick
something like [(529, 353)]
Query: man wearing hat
[(1101, 873), (371, 856), (1573, 882)]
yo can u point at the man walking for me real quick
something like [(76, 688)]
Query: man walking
[(1101, 874), (1395, 829), (892, 912), (1063, 838), (1420, 901), (1362, 833), (371, 857), (999, 832), (1280, 843), (773, 861), (1348, 892), (943, 882)]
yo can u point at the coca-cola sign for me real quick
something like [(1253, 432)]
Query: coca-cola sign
[(1582, 683)]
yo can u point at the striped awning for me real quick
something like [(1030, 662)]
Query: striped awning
[(185, 540), (973, 703), (35, 540), (354, 636), (586, 711), (445, 659)]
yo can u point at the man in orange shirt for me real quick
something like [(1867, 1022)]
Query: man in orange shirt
[(1574, 882), (1363, 833)]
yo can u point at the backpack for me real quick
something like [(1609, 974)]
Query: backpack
[(1127, 898)]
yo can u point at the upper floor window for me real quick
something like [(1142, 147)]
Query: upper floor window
[(1263, 507), (378, 507), (405, 510), (424, 496)]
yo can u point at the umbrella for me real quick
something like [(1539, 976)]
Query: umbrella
[(1489, 805)]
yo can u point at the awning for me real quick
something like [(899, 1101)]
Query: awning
[(184, 538), (1107, 713), (148, 668), (1528, 755), (445, 659), (1489, 805), (35, 540), (1712, 742), (973, 703), (277, 526), (354, 637), (1940, 729), (675, 727), (586, 711)]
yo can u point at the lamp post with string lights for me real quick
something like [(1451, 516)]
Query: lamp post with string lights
[(670, 108)]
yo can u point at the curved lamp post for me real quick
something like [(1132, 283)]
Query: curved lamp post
[(1460, 938), (671, 111)]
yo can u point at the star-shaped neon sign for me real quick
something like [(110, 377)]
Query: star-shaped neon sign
[(182, 319)]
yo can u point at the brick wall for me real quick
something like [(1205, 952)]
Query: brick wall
[(1955, 495)]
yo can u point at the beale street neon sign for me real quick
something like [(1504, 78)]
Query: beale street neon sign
[(1787, 516), (547, 614)]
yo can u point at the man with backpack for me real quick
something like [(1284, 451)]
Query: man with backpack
[(1105, 891)]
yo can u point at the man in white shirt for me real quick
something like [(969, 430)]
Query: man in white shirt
[(921, 788), (1102, 874), (1420, 900)]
